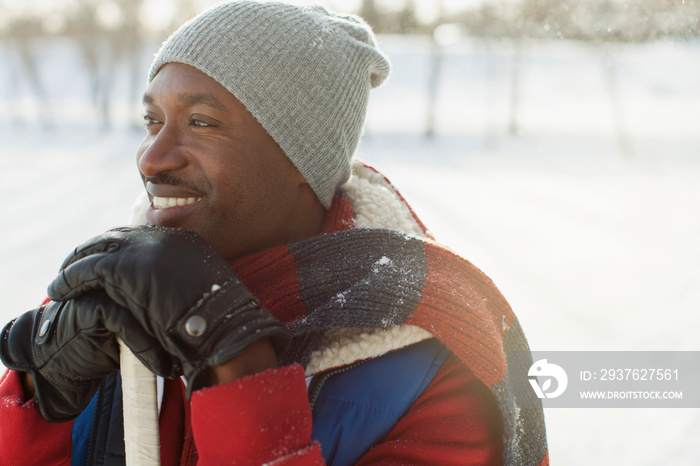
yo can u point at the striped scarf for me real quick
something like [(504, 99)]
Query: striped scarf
[(366, 286)]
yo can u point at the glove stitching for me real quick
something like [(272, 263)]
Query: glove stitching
[(64, 346), (195, 310), (99, 247), (129, 303), (217, 326)]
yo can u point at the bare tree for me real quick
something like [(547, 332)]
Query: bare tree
[(127, 42), (370, 13), (23, 34), (104, 47), (92, 43)]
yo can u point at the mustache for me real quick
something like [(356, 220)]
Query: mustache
[(173, 180)]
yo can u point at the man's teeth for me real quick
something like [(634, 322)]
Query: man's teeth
[(167, 202)]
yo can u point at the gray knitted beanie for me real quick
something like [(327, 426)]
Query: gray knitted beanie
[(303, 72)]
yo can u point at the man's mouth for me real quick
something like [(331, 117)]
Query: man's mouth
[(160, 203)]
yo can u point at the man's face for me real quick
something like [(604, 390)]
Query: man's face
[(211, 168)]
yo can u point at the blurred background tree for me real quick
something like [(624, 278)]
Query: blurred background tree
[(114, 33)]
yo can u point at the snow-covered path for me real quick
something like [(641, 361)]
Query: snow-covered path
[(595, 240)]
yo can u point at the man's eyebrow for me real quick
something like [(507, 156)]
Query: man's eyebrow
[(204, 99), (190, 100)]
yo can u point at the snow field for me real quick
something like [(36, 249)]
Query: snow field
[(587, 218)]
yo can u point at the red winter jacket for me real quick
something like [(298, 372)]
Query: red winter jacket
[(454, 422)]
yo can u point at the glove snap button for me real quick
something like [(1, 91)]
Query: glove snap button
[(44, 328), (196, 326)]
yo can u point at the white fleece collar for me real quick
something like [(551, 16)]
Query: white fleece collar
[(376, 204)]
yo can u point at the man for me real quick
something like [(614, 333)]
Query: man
[(312, 318)]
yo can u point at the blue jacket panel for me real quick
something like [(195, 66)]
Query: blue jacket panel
[(98, 433), (356, 408), (353, 407)]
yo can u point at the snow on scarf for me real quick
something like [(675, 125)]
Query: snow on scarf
[(374, 281)]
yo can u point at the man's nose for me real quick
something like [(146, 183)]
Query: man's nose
[(161, 152)]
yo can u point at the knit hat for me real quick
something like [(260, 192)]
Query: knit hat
[(303, 72)]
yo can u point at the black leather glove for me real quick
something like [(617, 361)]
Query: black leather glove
[(179, 290), (69, 347)]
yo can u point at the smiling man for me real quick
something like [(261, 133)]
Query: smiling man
[(210, 167), (297, 314)]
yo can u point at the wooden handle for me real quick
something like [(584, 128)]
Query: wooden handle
[(140, 400)]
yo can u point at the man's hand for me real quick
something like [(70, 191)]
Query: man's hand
[(256, 358), (178, 289), (67, 348)]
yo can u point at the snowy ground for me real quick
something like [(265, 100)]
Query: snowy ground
[(588, 218)]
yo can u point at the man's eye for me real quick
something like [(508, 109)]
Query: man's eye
[(200, 123), (149, 121)]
